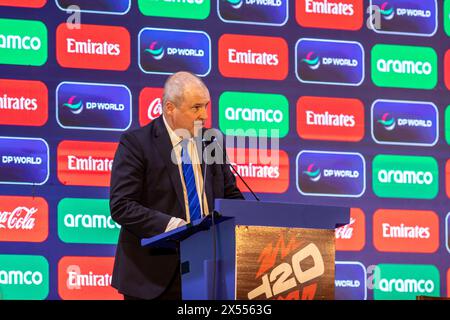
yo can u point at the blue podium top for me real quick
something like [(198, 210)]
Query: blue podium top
[(258, 213), (280, 214)]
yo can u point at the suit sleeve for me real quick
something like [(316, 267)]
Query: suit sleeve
[(126, 188)]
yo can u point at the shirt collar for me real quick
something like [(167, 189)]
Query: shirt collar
[(173, 137)]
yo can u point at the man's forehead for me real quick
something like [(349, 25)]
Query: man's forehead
[(196, 91)]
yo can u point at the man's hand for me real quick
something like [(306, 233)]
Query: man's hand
[(175, 223), (180, 222)]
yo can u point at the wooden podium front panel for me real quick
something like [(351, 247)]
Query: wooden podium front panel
[(284, 263)]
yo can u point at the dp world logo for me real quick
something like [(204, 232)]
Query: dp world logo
[(406, 17), (387, 11), (156, 51), (165, 51), (329, 62), (336, 174), (235, 4), (313, 172), (350, 281), (256, 12), (93, 106), (24, 161), (387, 121), (312, 60), (400, 122), (73, 106)]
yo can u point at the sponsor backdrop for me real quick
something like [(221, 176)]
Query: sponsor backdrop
[(360, 105)]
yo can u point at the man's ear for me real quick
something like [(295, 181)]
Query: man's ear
[(169, 107)]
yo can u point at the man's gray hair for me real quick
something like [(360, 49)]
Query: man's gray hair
[(175, 86)]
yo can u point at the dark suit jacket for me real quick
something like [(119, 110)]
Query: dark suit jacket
[(145, 193)]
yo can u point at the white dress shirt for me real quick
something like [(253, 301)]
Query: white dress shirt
[(196, 166)]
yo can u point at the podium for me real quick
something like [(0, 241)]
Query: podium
[(258, 250)]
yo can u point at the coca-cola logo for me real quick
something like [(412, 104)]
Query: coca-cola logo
[(154, 109), (345, 232), (19, 218)]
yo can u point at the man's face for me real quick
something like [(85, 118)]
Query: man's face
[(193, 108)]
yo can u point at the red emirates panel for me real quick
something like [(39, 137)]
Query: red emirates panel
[(86, 278), (23, 103), (253, 57), (330, 14), (332, 119), (93, 47), (406, 231), (85, 163), (264, 171)]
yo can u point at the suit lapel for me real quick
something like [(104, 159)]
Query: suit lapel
[(164, 146)]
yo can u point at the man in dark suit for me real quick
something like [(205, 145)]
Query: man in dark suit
[(151, 191)]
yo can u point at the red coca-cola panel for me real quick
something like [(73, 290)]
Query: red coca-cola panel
[(352, 236), (150, 106), (23, 219)]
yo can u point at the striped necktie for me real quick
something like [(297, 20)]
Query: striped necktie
[(189, 181)]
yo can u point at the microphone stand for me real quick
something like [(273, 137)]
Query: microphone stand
[(228, 162), (213, 225)]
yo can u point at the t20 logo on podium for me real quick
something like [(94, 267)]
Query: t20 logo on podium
[(284, 264)]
